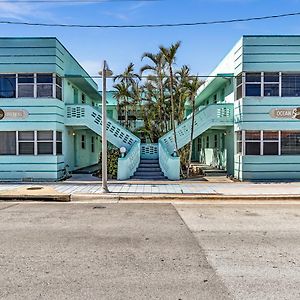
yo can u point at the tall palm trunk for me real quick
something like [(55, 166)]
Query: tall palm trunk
[(173, 108), (192, 137)]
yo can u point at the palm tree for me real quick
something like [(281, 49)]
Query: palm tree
[(126, 80), (193, 86), (157, 67), (122, 95), (169, 55)]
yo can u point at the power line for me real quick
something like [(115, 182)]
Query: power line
[(74, 1), (154, 25)]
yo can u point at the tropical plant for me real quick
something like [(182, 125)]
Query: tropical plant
[(192, 85), (169, 55)]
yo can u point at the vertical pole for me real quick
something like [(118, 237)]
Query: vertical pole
[(104, 141)]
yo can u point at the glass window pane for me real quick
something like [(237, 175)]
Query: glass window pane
[(271, 77), (58, 136), (26, 135), (45, 135), (271, 90), (239, 147), (8, 86), (45, 148), (44, 90), (44, 78), (290, 142), (270, 135), (25, 90), (58, 80), (290, 85), (239, 92), (59, 148), (252, 148), (252, 135), (26, 148), (271, 148), (239, 79), (253, 90), (8, 143), (25, 78), (58, 93), (253, 77)]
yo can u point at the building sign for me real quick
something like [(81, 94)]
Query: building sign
[(13, 114), (285, 113), (2, 114)]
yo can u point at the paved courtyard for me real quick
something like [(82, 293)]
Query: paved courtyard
[(149, 251)]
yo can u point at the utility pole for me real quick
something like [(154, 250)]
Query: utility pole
[(104, 73)]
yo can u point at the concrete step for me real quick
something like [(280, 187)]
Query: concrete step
[(142, 169), (142, 165), (214, 172), (148, 177), (149, 161), (152, 174)]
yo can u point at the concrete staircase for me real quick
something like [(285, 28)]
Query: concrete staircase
[(149, 169)]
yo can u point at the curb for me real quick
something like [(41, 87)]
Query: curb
[(43, 198), (178, 197)]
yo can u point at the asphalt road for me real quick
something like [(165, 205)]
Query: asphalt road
[(101, 251), (254, 248)]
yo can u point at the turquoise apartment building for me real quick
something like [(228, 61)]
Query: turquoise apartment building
[(259, 83), (39, 83), (247, 119)]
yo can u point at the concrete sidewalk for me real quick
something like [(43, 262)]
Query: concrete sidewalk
[(161, 190)]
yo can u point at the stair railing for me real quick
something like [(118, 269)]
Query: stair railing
[(170, 165), (128, 165)]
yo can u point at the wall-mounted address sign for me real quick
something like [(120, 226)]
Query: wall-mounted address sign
[(13, 114), (285, 113)]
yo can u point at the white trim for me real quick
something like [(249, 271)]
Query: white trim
[(54, 151), (279, 142), (280, 84), (17, 142), (35, 142), (35, 85)]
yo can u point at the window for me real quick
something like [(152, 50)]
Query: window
[(45, 85), (216, 141), (58, 86), (239, 143), (83, 141), (252, 143), (45, 142), (93, 144), (253, 84), (239, 86), (30, 143), (8, 143), (58, 143), (270, 143), (215, 99), (8, 86), (199, 144), (271, 84), (26, 142), (290, 142), (207, 142), (83, 100), (25, 85), (290, 85)]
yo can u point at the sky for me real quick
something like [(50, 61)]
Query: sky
[(202, 47)]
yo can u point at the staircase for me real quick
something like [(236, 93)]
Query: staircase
[(211, 116), (149, 169), (86, 116)]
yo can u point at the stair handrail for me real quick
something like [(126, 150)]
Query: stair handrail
[(170, 165), (221, 112), (128, 165)]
